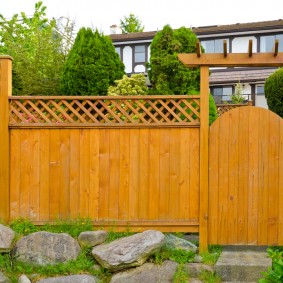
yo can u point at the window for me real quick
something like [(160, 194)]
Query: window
[(222, 94), (140, 54), (260, 89), (213, 46), (118, 50), (267, 42)]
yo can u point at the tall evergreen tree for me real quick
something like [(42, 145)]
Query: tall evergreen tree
[(92, 65)]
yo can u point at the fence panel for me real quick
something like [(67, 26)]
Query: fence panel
[(246, 182)]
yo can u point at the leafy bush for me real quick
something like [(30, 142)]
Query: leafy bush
[(273, 89), (92, 65)]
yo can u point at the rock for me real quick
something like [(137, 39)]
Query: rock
[(7, 236), (23, 279), (148, 272), (44, 248), (198, 259), (96, 267), (129, 251), (172, 242), (194, 269), (4, 279), (92, 238), (70, 279), (194, 280)]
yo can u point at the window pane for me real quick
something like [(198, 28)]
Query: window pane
[(227, 90), (118, 50), (260, 89), (217, 91), (267, 43), (218, 46), (209, 46), (280, 38), (140, 53)]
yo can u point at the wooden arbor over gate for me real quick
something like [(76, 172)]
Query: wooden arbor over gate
[(204, 61)]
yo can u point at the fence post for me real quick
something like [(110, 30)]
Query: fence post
[(204, 136), (5, 91)]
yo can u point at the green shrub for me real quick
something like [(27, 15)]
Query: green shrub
[(92, 65), (273, 89)]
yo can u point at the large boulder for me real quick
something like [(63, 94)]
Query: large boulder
[(7, 236), (148, 272), (70, 279), (92, 238), (172, 242), (44, 248), (129, 251), (4, 279)]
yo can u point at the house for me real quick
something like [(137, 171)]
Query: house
[(134, 51)]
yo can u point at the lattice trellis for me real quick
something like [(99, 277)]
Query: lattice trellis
[(222, 108), (104, 111)]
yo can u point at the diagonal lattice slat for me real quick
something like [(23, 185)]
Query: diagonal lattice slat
[(104, 110)]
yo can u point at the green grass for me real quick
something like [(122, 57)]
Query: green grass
[(211, 257), (181, 275), (209, 277)]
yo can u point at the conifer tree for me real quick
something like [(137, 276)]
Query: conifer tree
[(92, 65)]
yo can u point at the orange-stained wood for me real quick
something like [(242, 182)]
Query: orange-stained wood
[(225, 48), (276, 47), (250, 49)]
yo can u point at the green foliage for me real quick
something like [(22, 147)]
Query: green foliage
[(273, 89), (166, 73), (181, 275), (36, 45), (212, 110), (92, 65), (275, 273), (209, 277), (135, 85), (23, 226), (211, 257), (131, 24), (237, 96)]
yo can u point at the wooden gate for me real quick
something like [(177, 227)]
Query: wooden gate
[(246, 178)]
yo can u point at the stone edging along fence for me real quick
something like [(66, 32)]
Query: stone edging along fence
[(126, 258)]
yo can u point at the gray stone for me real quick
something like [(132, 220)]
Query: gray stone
[(194, 269), (194, 280), (148, 272), (129, 251), (198, 259), (7, 236), (242, 265), (70, 279), (23, 279), (92, 238), (44, 248), (4, 279), (173, 242)]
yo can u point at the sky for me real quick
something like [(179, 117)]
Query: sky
[(154, 14)]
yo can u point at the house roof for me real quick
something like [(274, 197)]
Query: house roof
[(239, 75), (206, 30)]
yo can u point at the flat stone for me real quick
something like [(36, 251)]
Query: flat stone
[(70, 279), (242, 265), (92, 238), (172, 242), (23, 279), (4, 279), (195, 269), (7, 236), (148, 273)]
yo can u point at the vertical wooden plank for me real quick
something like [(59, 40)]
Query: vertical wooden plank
[(213, 182), (273, 180), (25, 172), (75, 173), (280, 184), (65, 174), (253, 178), (164, 184), (34, 174), (124, 174), (144, 174), (184, 184), (104, 173), (134, 174), (223, 182), (15, 173), (174, 173), (84, 172), (5, 92), (94, 174), (194, 150), (242, 233), (204, 127), (233, 175), (44, 175), (54, 174), (154, 173)]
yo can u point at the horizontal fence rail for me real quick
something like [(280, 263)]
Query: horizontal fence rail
[(104, 111)]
